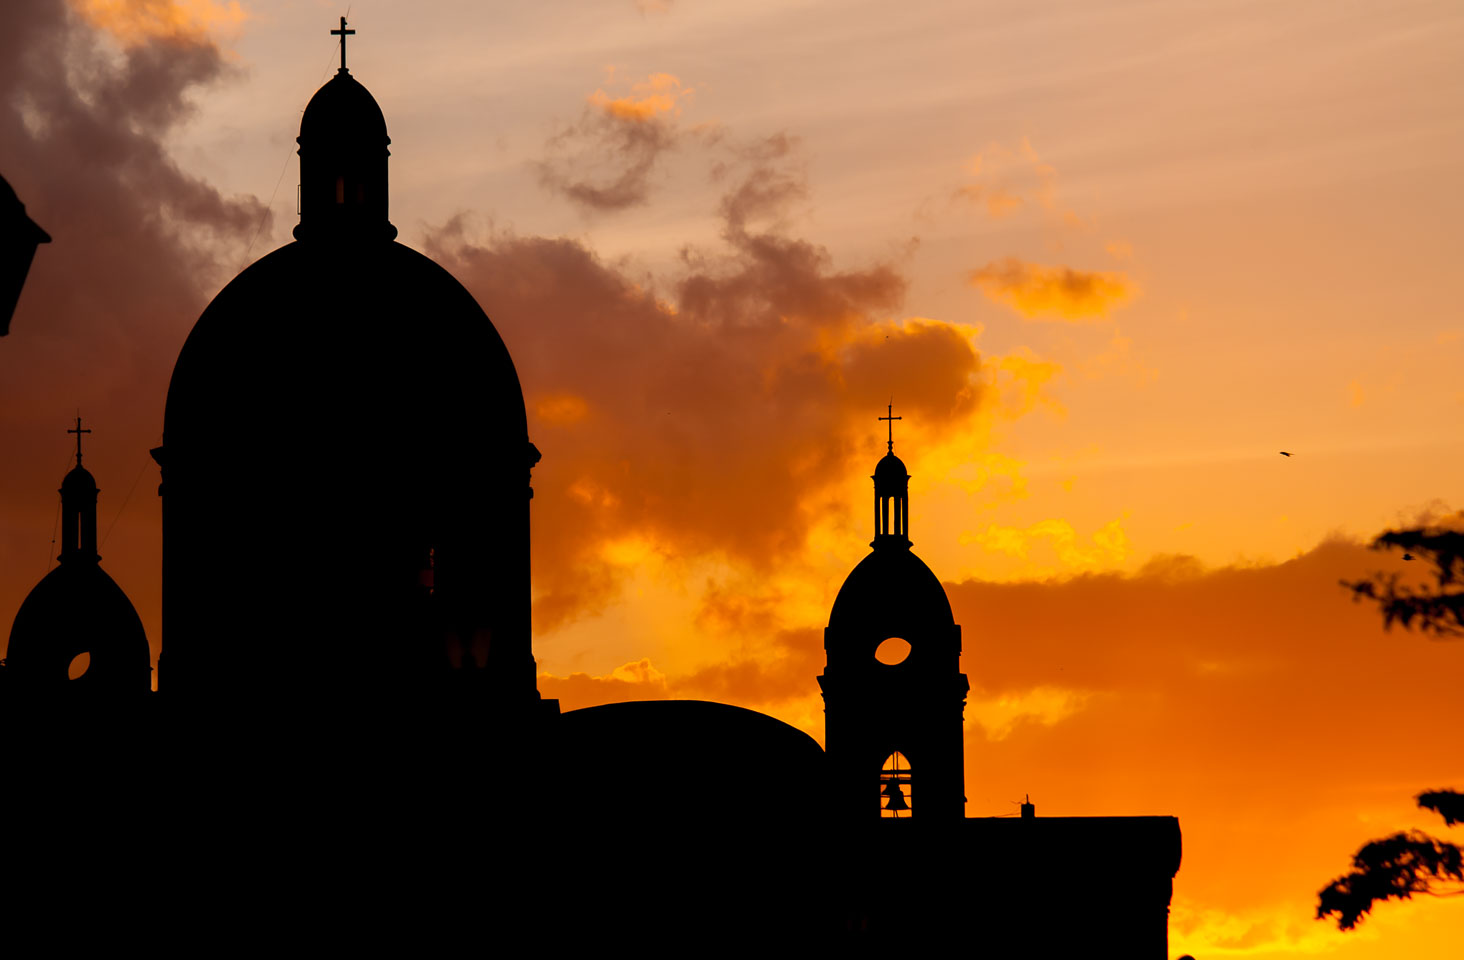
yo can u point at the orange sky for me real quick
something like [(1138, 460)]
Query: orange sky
[(1107, 259)]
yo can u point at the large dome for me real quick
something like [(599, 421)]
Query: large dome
[(319, 343), (890, 469)]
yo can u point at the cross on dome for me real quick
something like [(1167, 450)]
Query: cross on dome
[(892, 418), (78, 431), (343, 33)]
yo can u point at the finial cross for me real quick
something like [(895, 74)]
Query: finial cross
[(78, 431), (343, 33), (892, 418)]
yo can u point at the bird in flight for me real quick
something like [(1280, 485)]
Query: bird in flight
[(1285, 453)]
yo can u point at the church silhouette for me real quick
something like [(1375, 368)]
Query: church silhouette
[(346, 735)]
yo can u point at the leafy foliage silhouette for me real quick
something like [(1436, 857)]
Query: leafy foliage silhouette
[(1448, 804), (1437, 609), (1397, 867), (1410, 862)]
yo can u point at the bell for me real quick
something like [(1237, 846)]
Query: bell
[(896, 796)]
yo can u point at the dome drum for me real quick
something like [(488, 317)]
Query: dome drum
[(931, 649)]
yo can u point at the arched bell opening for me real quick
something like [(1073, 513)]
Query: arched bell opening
[(895, 795), (79, 666)]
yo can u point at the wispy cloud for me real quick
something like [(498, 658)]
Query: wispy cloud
[(1039, 292), (605, 160)]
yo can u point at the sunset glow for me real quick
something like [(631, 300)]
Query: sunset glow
[(1106, 262)]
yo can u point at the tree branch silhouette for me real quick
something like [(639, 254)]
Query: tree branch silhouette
[(1448, 804), (1437, 609), (1410, 862), (1396, 867)]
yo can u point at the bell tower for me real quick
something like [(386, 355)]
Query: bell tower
[(894, 694)]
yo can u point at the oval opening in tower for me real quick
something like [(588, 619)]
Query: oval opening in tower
[(79, 665), (892, 651)]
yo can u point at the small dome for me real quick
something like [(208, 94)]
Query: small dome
[(890, 467), (77, 608), (343, 111), (891, 593), (79, 480)]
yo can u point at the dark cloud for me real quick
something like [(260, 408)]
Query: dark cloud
[(604, 161), (704, 413), (138, 246), (766, 676), (1259, 704)]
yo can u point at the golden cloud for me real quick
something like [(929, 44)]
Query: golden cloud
[(134, 22), (999, 715), (638, 680), (1106, 549), (1025, 379), (740, 387), (1039, 292), (657, 94), (605, 160)]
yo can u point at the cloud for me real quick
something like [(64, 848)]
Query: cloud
[(1119, 249), (604, 161), (769, 181), (711, 408), (138, 243), (763, 675), (1106, 549), (1024, 378), (1258, 704), (137, 22), (760, 675), (660, 93), (998, 201), (1006, 180), (638, 680), (999, 715), (1040, 292)]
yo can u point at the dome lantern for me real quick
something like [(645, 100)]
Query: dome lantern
[(343, 153), (891, 495), (79, 510)]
